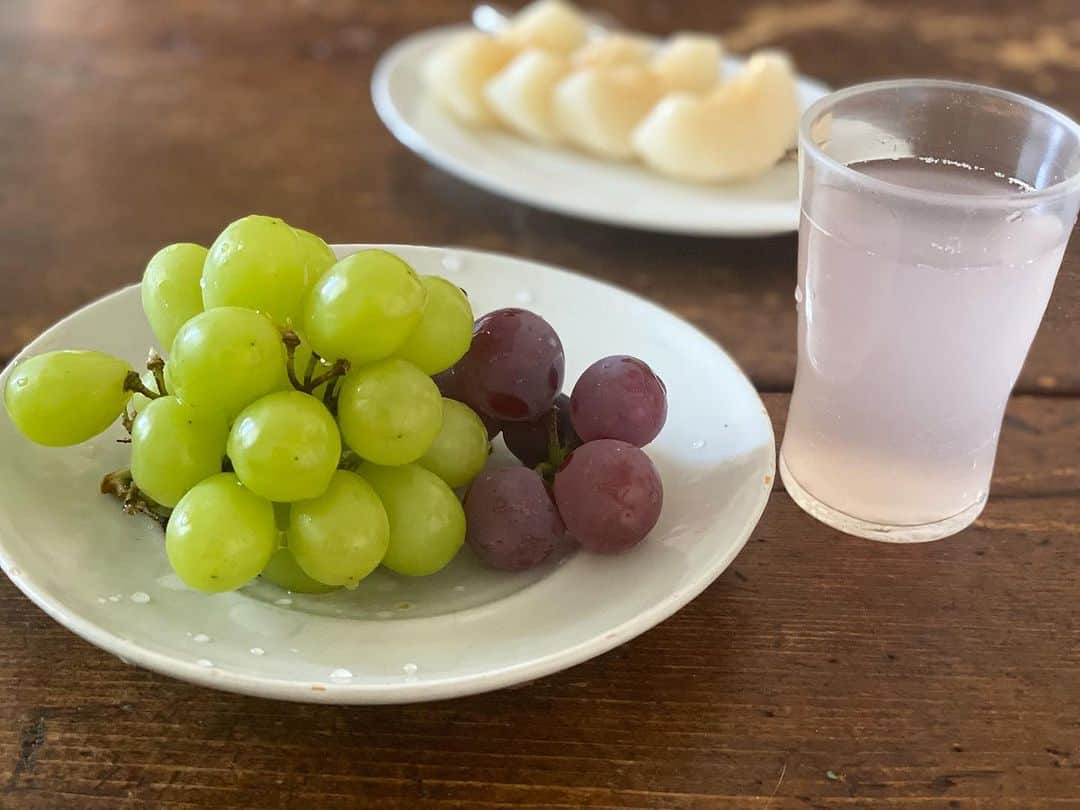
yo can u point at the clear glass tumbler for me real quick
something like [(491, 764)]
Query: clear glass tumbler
[(934, 218)]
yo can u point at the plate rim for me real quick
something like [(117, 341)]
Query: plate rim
[(406, 134), (130, 651)]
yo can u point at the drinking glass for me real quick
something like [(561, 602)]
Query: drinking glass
[(934, 218)]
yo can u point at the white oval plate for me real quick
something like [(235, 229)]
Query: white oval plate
[(568, 182), (394, 640)]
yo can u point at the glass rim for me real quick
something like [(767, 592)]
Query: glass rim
[(1061, 188)]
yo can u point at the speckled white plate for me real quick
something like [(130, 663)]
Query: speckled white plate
[(568, 182), (467, 629)]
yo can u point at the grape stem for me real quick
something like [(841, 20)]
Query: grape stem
[(350, 461), (156, 363), (330, 396), (121, 486), (132, 382), (556, 451), (339, 368), (127, 420), (291, 341)]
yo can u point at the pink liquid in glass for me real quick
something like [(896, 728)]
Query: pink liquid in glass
[(912, 331)]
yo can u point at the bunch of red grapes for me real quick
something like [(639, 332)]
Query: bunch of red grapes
[(585, 477)]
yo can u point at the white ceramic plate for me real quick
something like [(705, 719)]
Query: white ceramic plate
[(467, 629), (568, 182)]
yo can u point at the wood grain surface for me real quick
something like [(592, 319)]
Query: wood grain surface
[(818, 671)]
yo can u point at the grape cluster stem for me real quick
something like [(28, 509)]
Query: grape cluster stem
[(338, 369), (132, 382), (557, 450), (121, 486), (156, 363)]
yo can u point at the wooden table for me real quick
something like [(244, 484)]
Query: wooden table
[(819, 670)]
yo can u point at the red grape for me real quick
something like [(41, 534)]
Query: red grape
[(619, 397), (609, 495), (449, 386), (512, 522), (514, 367), (447, 382), (529, 441)]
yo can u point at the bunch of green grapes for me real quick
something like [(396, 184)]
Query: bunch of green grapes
[(293, 428)]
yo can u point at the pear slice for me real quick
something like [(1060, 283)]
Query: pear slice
[(689, 62), (739, 131), (612, 50), (551, 25), (521, 94), (458, 71), (596, 109)]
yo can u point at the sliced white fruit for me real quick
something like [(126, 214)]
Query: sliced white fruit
[(689, 62), (521, 95), (738, 131), (596, 109), (612, 50), (548, 24), (458, 71)]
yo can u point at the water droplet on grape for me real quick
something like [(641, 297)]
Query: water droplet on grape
[(205, 662), (384, 614), (140, 597), (410, 669), (257, 651), (698, 444), (452, 263), (200, 638), (283, 601), (293, 650), (524, 297), (341, 675), (115, 597)]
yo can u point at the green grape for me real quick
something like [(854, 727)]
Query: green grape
[(66, 397), (364, 307), (220, 535), (259, 263), (171, 293), (445, 331), (390, 412), (138, 401), (317, 253), (174, 446), (427, 523), (284, 572), (461, 449), (341, 536), (285, 446), (226, 358)]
